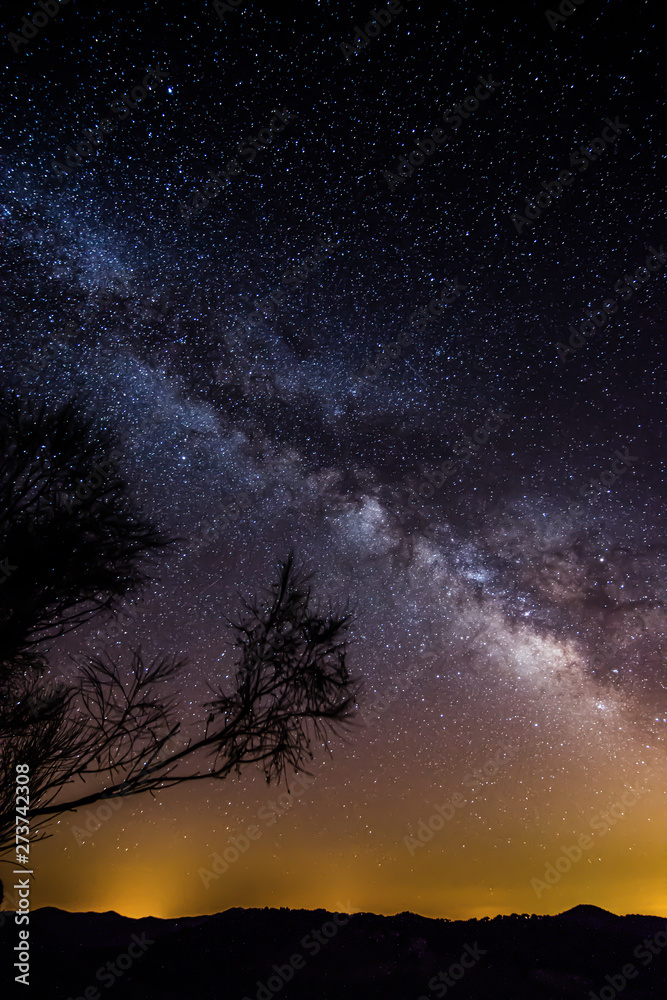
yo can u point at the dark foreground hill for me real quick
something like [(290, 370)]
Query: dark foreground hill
[(316, 955)]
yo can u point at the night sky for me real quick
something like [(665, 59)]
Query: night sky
[(510, 615)]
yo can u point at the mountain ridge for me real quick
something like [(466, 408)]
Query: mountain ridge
[(259, 953)]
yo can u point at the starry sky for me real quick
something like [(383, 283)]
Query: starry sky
[(508, 624)]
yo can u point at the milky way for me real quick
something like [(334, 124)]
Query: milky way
[(539, 608)]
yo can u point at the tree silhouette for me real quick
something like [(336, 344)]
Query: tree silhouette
[(109, 727), (70, 557)]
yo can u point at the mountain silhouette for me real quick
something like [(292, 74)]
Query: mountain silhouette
[(264, 953)]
